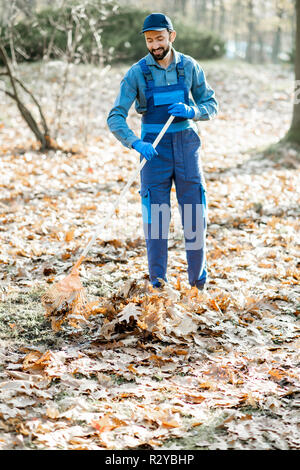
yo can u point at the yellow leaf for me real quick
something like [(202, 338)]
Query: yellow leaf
[(205, 385), (69, 235), (104, 424), (171, 423), (132, 368)]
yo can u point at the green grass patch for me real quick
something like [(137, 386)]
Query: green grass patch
[(22, 320)]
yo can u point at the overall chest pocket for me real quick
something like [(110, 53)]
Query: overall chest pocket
[(168, 97), (146, 205)]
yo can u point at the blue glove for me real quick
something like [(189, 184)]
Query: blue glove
[(145, 148), (181, 110)]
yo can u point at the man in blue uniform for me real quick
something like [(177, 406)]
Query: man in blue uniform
[(163, 83)]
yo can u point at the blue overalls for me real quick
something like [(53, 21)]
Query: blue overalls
[(178, 160)]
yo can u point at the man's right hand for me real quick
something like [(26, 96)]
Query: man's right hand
[(145, 148)]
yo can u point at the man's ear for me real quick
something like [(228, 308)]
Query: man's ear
[(172, 36)]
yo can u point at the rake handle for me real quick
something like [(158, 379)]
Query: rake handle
[(131, 179)]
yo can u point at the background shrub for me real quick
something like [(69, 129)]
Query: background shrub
[(118, 29), (121, 31)]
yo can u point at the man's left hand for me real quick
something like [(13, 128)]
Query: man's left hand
[(181, 110)]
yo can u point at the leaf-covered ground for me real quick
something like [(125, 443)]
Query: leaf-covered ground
[(151, 369)]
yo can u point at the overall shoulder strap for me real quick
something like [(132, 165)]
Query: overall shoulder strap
[(180, 69), (147, 73)]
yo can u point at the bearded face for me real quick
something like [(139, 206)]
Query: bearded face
[(160, 52), (159, 43)]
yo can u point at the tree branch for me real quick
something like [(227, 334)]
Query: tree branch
[(26, 114)]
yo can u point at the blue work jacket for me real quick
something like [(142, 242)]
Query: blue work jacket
[(133, 85)]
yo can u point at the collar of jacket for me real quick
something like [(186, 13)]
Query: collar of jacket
[(151, 61)]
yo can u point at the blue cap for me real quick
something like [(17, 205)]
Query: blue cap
[(157, 22)]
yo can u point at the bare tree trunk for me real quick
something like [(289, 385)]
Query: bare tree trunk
[(277, 35), (235, 25), (261, 51), (293, 30), (250, 42), (183, 6), (203, 11), (213, 15), (261, 39), (293, 134), (41, 134), (11, 19), (222, 18)]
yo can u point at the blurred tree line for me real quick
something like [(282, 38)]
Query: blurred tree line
[(98, 30), (103, 31), (254, 30)]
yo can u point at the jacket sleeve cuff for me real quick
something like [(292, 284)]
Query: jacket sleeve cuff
[(197, 113), (200, 114), (134, 143), (132, 140)]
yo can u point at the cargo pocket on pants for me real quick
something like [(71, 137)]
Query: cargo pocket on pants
[(146, 206), (191, 144), (203, 201)]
